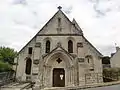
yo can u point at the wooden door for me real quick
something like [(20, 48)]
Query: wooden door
[(58, 77)]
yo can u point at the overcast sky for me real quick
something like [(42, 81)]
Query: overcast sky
[(20, 20)]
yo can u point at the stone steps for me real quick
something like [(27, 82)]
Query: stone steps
[(16, 86), (55, 88)]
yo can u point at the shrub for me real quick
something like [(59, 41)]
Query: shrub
[(112, 73), (5, 67)]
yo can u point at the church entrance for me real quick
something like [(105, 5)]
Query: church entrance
[(58, 77)]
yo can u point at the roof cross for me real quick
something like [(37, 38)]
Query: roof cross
[(59, 7)]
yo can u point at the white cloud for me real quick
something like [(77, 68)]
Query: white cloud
[(99, 20)]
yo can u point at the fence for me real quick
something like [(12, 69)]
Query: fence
[(6, 77)]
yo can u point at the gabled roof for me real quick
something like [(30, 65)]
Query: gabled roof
[(100, 54), (37, 33), (47, 23), (60, 11), (76, 24), (117, 51), (72, 23)]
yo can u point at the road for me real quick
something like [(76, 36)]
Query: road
[(113, 87)]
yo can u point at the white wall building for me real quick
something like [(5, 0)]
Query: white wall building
[(59, 56), (115, 59)]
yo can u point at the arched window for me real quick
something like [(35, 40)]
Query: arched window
[(28, 66), (47, 46), (70, 46), (89, 59), (90, 62)]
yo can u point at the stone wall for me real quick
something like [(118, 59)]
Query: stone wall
[(91, 78)]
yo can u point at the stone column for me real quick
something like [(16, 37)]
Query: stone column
[(69, 76), (80, 50), (48, 76), (41, 73), (36, 60), (81, 63), (81, 74), (72, 74), (44, 76), (75, 76), (72, 80)]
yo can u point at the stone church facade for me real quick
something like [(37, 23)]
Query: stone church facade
[(59, 56)]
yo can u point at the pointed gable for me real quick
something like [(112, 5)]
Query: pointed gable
[(67, 27), (76, 24), (59, 24)]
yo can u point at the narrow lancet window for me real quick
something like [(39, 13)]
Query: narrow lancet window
[(28, 66), (30, 50), (47, 46), (70, 46), (59, 22), (59, 29)]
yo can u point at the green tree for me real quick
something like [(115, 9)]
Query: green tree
[(7, 55), (5, 66)]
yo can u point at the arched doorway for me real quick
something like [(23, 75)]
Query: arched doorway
[(58, 77), (56, 63), (28, 66)]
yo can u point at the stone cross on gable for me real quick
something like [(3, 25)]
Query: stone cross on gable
[(59, 7)]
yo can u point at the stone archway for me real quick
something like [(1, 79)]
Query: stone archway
[(55, 63), (59, 54)]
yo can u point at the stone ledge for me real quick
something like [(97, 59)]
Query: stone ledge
[(83, 87), (94, 85)]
